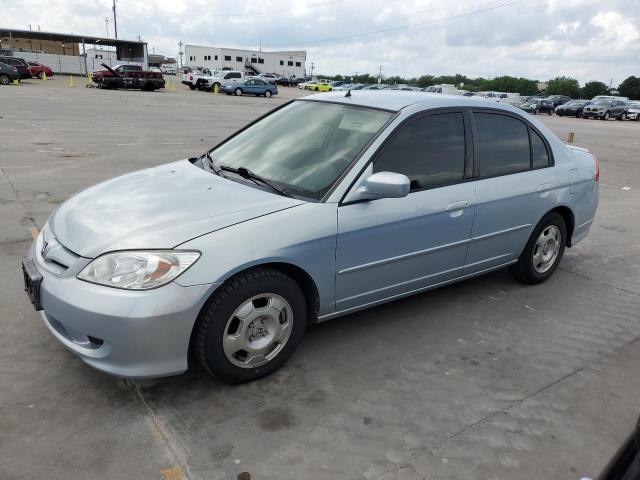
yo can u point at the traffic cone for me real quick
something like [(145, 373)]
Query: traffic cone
[(44, 75), (72, 83), (216, 88), (16, 82)]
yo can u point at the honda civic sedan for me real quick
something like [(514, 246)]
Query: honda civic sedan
[(327, 205)]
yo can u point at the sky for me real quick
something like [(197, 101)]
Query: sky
[(537, 39)]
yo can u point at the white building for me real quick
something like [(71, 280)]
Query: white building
[(281, 63)]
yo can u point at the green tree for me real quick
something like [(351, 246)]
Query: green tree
[(523, 86), (564, 86), (630, 87), (593, 88)]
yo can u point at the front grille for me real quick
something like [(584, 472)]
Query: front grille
[(54, 256)]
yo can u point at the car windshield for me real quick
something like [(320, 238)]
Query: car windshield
[(602, 102), (635, 105), (304, 146)]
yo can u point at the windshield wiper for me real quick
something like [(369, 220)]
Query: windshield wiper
[(212, 165), (246, 173)]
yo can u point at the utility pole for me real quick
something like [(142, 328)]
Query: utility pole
[(115, 23), (380, 75), (180, 52), (106, 22), (312, 67)]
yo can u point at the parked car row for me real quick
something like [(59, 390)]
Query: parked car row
[(602, 107)]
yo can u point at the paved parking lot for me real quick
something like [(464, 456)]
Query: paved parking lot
[(486, 379)]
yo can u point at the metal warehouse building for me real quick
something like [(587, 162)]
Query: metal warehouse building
[(71, 53), (287, 63)]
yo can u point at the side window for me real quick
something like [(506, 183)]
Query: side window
[(539, 153), (429, 150), (236, 75), (503, 144)]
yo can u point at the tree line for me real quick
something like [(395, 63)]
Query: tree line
[(630, 87)]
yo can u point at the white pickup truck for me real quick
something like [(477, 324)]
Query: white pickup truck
[(223, 78), (207, 80)]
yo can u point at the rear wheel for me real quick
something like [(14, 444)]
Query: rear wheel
[(606, 116), (621, 117), (543, 251), (40, 75), (192, 87), (238, 92), (267, 93), (4, 79), (250, 326)]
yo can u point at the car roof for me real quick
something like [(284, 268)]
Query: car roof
[(397, 100)]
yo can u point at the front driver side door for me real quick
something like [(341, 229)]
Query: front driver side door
[(389, 247)]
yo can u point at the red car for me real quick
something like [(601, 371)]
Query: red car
[(37, 69)]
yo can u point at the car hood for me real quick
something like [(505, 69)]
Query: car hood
[(159, 207)]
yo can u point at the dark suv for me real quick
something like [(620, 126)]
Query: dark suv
[(21, 66), (558, 99), (538, 105), (606, 109)]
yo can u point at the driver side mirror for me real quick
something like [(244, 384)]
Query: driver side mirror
[(382, 185)]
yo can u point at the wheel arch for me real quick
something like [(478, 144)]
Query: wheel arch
[(569, 220), (299, 275)]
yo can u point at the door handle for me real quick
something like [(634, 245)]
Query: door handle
[(456, 209), (452, 207), (544, 187)]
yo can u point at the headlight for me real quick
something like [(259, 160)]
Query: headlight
[(138, 270)]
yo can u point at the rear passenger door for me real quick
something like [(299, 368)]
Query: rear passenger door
[(515, 188)]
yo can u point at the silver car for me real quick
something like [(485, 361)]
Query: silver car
[(329, 204)]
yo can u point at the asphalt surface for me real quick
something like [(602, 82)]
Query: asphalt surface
[(485, 379)]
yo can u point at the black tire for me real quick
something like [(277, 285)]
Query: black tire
[(621, 117), (211, 324), (535, 112), (605, 116), (238, 92), (524, 270), (550, 112), (40, 75), (267, 93), (192, 87), (578, 114), (4, 79)]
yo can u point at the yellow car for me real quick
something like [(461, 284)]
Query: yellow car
[(319, 87)]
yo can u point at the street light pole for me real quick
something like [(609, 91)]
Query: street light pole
[(115, 23)]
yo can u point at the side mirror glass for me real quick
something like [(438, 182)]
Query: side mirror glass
[(383, 185)]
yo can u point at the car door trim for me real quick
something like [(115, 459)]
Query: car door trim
[(404, 256), (338, 313), (501, 232)]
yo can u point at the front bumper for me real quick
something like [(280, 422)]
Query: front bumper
[(589, 113), (132, 334), (633, 115)]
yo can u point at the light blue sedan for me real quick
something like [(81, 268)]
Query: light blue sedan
[(251, 86), (330, 204)]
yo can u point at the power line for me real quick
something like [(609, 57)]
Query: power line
[(256, 14), (411, 25)]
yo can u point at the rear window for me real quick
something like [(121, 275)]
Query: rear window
[(503, 144)]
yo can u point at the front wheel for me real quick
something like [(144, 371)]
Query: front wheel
[(621, 117), (238, 92), (543, 251), (250, 326), (4, 79), (40, 75), (606, 116), (267, 93), (192, 87)]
